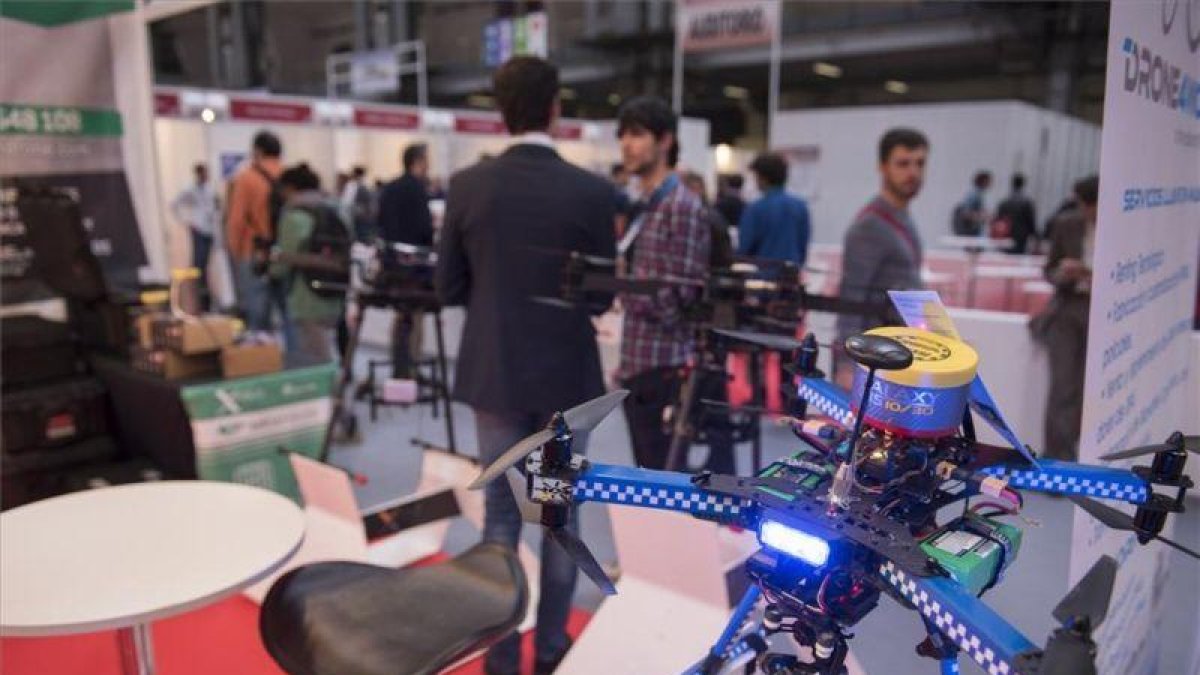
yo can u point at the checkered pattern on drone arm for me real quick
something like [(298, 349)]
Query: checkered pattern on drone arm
[(976, 629), (1070, 478), (666, 490)]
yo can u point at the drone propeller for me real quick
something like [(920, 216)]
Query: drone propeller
[(1070, 650), (1190, 444), (583, 417), (576, 550), (1119, 520), (780, 343)]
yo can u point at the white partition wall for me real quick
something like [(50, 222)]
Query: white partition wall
[(839, 147)]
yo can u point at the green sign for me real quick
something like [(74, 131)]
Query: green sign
[(245, 428), (44, 120), (49, 13)]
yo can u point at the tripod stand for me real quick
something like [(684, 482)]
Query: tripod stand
[(360, 300)]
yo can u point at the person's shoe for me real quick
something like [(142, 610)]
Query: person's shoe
[(548, 666)]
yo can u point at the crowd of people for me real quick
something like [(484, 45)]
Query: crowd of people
[(520, 360)]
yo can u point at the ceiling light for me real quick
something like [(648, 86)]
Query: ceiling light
[(207, 115), (740, 93), (896, 87), (723, 154), (827, 69)]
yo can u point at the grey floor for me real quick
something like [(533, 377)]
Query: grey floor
[(885, 640)]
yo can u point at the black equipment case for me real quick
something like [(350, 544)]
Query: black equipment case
[(45, 417), (35, 350)]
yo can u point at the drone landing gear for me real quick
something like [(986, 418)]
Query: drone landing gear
[(829, 651)]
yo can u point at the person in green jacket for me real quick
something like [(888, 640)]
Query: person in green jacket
[(314, 316)]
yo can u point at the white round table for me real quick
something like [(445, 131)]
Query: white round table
[(121, 557)]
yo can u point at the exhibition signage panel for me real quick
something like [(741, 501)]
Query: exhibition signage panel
[(386, 119), (479, 125), (253, 110), (60, 128), (373, 73), (244, 429), (508, 37), (568, 132), (721, 24), (167, 104), (1147, 246)]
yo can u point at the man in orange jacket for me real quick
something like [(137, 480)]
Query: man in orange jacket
[(250, 216)]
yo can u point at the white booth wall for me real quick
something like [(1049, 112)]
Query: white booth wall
[(839, 173)]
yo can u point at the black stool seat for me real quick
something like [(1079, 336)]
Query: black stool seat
[(346, 618)]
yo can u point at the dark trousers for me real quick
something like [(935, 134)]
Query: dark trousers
[(406, 343), (651, 393), (1065, 338), (502, 523), (201, 248)]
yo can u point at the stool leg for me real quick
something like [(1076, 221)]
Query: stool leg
[(137, 650)]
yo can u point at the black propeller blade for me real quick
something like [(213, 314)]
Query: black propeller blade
[(1119, 520), (1068, 653), (1089, 598), (583, 417), (1190, 443), (531, 512), (583, 558), (1070, 649), (780, 343)]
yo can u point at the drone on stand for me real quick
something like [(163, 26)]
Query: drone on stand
[(853, 515), (753, 296)]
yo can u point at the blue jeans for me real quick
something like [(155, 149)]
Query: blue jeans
[(201, 247), (252, 295), (257, 296), (502, 524)]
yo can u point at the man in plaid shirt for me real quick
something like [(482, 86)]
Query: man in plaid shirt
[(667, 238)]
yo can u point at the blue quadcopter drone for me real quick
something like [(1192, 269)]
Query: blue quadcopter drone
[(853, 515)]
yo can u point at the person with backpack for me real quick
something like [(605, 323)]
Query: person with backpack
[(310, 261), (255, 202), (970, 215)]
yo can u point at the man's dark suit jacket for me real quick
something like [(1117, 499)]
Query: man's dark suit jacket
[(504, 219), (404, 212)]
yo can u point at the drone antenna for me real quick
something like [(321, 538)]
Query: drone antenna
[(873, 352)]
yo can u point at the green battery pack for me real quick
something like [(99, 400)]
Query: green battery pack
[(973, 550)]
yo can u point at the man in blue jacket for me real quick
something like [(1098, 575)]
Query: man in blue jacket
[(776, 226)]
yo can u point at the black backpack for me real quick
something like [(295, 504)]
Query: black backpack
[(274, 201), (330, 239)]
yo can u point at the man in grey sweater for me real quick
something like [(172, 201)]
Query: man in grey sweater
[(882, 249)]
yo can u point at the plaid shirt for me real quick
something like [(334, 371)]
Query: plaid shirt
[(674, 241)]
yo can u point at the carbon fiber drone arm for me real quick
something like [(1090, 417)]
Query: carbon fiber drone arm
[(982, 634), (666, 490), (1071, 478)]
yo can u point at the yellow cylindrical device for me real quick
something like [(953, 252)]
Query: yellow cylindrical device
[(927, 399)]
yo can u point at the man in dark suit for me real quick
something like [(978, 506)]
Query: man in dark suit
[(404, 218), (404, 203), (1063, 326), (521, 360)]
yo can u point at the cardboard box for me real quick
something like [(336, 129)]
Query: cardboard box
[(251, 359), (198, 335), (174, 366)]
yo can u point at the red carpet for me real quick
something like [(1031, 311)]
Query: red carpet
[(221, 638)]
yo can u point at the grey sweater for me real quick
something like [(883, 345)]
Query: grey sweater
[(882, 251)]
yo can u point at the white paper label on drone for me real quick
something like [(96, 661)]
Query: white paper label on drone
[(957, 543)]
